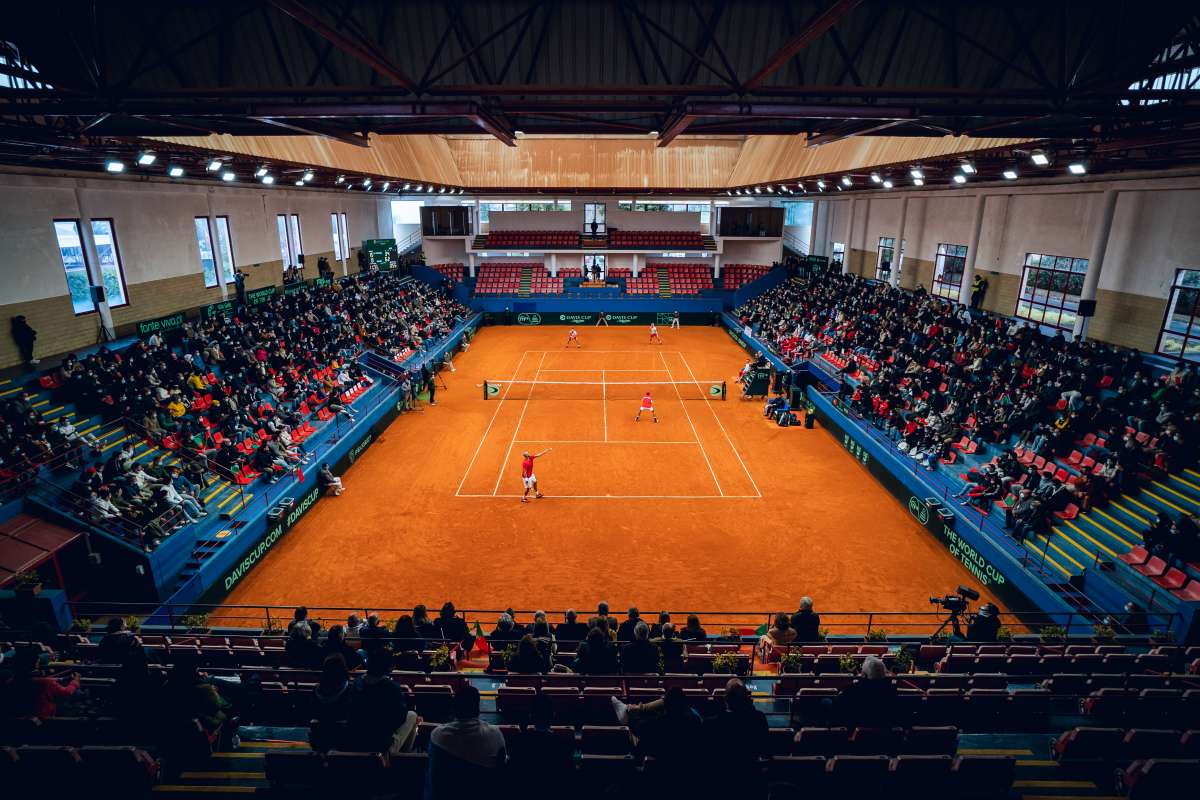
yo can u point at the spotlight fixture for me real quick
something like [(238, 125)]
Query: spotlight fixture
[(1040, 158), (175, 171), (419, 186), (261, 171), (1009, 174), (758, 190), (340, 179), (771, 190), (428, 189), (918, 181), (308, 176), (112, 165), (366, 183), (821, 185), (1077, 168), (875, 178), (801, 185), (386, 185), (846, 181), (653, 134), (215, 165), (917, 173), (146, 158), (968, 168), (960, 178), (519, 134), (887, 183), (228, 175), (837, 186), (268, 179), (300, 183), (407, 186)]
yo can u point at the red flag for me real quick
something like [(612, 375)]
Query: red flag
[(299, 475)]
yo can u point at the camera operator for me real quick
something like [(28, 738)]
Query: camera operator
[(985, 624)]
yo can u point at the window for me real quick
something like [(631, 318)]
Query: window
[(839, 253), (294, 237), (887, 251), (285, 250), (1050, 289), (208, 260), (341, 246), (593, 218), (1180, 337), (594, 266), (564, 205), (797, 213), (225, 249), (948, 270), (104, 235), (10, 57), (70, 248)]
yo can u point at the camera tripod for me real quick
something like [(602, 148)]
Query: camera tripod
[(953, 622)]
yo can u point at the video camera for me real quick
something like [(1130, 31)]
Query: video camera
[(956, 603)]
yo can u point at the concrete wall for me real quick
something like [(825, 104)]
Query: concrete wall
[(156, 241), (444, 251), (1154, 233), (751, 252)]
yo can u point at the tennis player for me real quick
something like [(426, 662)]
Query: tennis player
[(675, 321), (573, 336), (527, 476), (602, 319), (647, 405), (654, 337)]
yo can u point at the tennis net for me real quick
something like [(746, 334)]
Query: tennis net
[(603, 390)]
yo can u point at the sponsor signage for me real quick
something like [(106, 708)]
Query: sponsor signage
[(222, 309), (294, 287), (322, 283), (256, 297), (582, 318), (273, 534), (529, 319), (161, 325)]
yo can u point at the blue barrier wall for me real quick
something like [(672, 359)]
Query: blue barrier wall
[(560, 305)]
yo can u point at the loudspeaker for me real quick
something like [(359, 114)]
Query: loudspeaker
[(1087, 308), (98, 294), (300, 257)]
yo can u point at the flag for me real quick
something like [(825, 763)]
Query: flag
[(481, 642), (299, 475), (761, 630)]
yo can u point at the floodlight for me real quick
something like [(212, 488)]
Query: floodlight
[(1077, 168), (268, 179), (887, 183), (1040, 158), (968, 167), (308, 175), (917, 173), (215, 165), (228, 175), (875, 178), (918, 181), (112, 165), (960, 178), (146, 158), (175, 171), (261, 171), (846, 180), (1010, 174)]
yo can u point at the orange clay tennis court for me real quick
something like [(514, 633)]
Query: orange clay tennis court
[(712, 508)]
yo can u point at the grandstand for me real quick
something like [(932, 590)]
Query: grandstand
[(306, 491)]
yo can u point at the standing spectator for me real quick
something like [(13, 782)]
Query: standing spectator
[(24, 336), (464, 753)]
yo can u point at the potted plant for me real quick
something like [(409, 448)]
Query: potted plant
[(440, 658), (941, 637), (790, 662), (877, 635), (1103, 633), (195, 623), (731, 634), (1162, 637), (1052, 634), (725, 663), (509, 654), (1003, 634), (134, 624), (27, 583), (81, 625), (847, 663), (822, 633), (902, 662)]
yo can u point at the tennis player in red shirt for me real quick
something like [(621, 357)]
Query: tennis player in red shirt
[(527, 476), (647, 405)]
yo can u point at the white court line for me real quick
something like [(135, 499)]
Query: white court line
[(517, 429), (694, 432), (722, 426), (604, 403), (594, 441), (629, 496), (491, 422), (622, 369)]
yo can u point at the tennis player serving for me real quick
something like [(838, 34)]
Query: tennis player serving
[(527, 476)]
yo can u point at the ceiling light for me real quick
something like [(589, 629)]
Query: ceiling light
[(821, 185), (407, 185), (960, 178), (146, 158), (838, 187), (801, 185), (112, 165), (652, 134), (968, 168), (918, 181), (916, 173), (175, 171), (268, 179), (1010, 174), (875, 178), (228, 175), (308, 175), (366, 182), (1040, 158), (887, 184), (519, 134), (1077, 168), (215, 165), (419, 187), (758, 190), (300, 183), (428, 188), (258, 173), (771, 190), (846, 180), (340, 179), (386, 185)]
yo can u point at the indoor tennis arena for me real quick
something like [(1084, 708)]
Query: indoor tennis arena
[(617, 398)]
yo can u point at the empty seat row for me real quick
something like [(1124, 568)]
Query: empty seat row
[(734, 276), (533, 239), (35, 769), (454, 271), (689, 239), (1119, 744)]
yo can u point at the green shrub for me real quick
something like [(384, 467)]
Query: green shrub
[(847, 663), (877, 635), (1053, 633), (133, 623), (725, 663)]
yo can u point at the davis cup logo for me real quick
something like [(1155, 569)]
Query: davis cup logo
[(918, 510)]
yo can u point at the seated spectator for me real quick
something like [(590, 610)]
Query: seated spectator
[(778, 635), (870, 701), (426, 628), (625, 629), (656, 628), (328, 481), (692, 632), (335, 644), (570, 633), (671, 647), (737, 737), (380, 719), (353, 626), (639, 656), (464, 753), (190, 695), (669, 729), (332, 699), (301, 651), (118, 641), (32, 691), (301, 615), (405, 637), (597, 655), (505, 631), (528, 659), (374, 636), (806, 623), (454, 629)]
